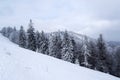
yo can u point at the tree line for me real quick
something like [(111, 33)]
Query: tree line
[(93, 54)]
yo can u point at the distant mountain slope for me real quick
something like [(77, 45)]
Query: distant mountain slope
[(114, 43), (79, 38), (21, 64)]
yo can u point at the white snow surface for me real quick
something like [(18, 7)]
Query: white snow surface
[(21, 64)]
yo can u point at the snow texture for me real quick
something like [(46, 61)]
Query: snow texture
[(21, 64)]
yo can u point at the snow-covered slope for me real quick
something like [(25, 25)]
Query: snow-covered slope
[(79, 38), (20, 64)]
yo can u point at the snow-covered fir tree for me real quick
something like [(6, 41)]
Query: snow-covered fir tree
[(75, 50), (59, 46), (22, 37), (102, 51), (38, 40), (44, 42), (14, 36), (67, 48), (111, 63), (85, 52), (117, 57), (52, 45), (10, 33), (92, 59), (55, 46), (7, 31), (31, 40), (79, 55)]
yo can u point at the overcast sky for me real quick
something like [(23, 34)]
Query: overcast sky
[(90, 17)]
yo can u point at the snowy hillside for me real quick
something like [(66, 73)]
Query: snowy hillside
[(79, 38), (20, 64)]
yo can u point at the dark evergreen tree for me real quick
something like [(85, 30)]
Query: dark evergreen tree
[(59, 46), (102, 60), (31, 40), (85, 52), (38, 41), (44, 42), (92, 59), (117, 57), (22, 37), (75, 51), (80, 53), (67, 48), (52, 45), (111, 63), (55, 46)]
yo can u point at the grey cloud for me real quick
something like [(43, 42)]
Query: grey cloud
[(84, 16)]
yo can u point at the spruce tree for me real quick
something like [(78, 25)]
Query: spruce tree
[(92, 59), (67, 48), (75, 51), (102, 51), (59, 46), (38, 40), (85, 52), (44, 42), (22, 37), (117, 57), (52, 45), (80, 55), (55, 46), (31, 40)]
